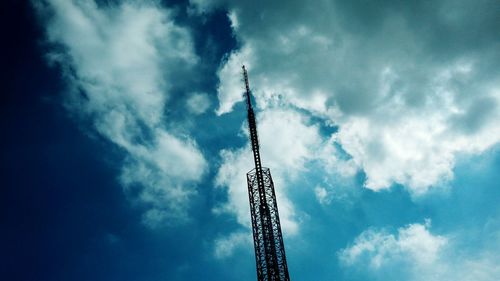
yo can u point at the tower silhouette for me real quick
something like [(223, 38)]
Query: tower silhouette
[(267, 238)]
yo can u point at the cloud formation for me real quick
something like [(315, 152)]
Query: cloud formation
[(296, 144), (198, 103), (119, 62), (290, 151), (414, 253), (410, 87), (413, 241), (225, 246)]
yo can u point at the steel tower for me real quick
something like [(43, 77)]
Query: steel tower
[(268, 241)]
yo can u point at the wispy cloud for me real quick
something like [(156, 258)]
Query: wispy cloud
[(198, 103), (118, 62), (414, 242), (225, 246), (415, 253)]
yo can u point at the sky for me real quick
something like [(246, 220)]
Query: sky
[(125, 146)]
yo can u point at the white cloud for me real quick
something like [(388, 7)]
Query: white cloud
[(230, 89), (322, 195), (283, 161), (225, 246), (118, 62), (418, 148), (198, 103), (380, 248), (290, 145), (416, 254), (404, 107)]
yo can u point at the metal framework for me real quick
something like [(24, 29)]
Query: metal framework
[(267, 238)]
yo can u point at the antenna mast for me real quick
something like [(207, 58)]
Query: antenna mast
[(268, 241)]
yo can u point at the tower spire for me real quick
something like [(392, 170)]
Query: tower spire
[(268, 240), (247, 88)]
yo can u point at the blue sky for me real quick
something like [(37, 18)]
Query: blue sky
[(124, 142)]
